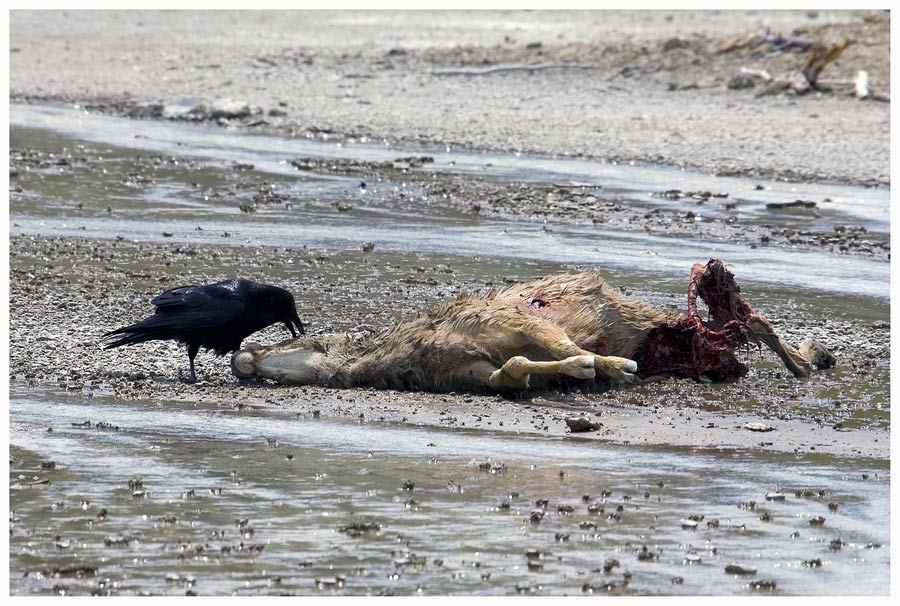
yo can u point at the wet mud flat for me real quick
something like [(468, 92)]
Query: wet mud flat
[(100, 180), (146, 497), (61, 308), (125, 480), (711, 215), (168, 205)]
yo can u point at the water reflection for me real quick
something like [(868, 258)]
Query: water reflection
[(172, 498)]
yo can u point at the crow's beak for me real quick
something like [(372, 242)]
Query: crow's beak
[(290, 327), (295, 321)]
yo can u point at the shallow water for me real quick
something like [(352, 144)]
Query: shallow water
[(178, 200), (866, 206), (442, 526)]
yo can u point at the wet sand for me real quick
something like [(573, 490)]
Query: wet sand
[(134, 498), (92, 285), (56, 307)]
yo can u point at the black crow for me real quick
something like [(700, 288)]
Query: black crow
[(215, 316)]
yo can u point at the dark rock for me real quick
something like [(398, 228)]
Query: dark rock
[(741, 82), (675, 43), (762, 585), (151, 111), (794, 204), (740, 570), (582, 424)]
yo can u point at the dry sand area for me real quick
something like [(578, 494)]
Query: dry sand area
[(647, 86)]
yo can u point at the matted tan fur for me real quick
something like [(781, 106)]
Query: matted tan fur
[(524, 335)]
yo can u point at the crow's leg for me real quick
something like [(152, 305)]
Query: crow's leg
[(192, 353)]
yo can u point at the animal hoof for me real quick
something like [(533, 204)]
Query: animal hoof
[(817, 354), (242, 364), (615, 369)]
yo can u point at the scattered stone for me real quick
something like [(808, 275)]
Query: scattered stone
[(758, 427), (582, 424), (739, 570), (358, 529), (71, 572), (741, 82), (762, 585), (197, 110), (149, 111), (645, 555), (230, 109), (412, 162), (336, 582), (788, 205)]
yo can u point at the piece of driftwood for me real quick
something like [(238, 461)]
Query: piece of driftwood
[(757, 73), (808, 78), (822, 55), (861, 89)]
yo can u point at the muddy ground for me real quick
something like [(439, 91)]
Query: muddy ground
[(648, 87), (561, 202), (425, 186), (65, 292), (653, 86)]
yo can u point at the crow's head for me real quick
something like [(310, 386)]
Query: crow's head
[(282, 308)]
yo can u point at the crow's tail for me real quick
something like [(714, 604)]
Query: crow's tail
[(145, 330)]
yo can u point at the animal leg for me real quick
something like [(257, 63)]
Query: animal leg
[(192, 353), (817, 354), (811, 354), (300, 361), (515, 372), (716, 286), (555, 340)]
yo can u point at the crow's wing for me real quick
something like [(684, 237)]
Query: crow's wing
[(198, 307), (182, 296)]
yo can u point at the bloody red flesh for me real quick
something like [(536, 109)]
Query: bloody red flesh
[(689, 346)]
